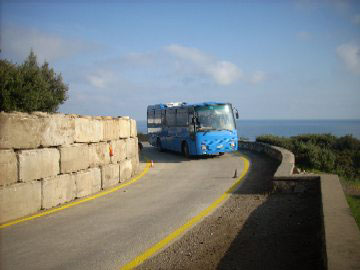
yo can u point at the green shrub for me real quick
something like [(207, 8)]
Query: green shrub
[(321, 140), (29, 87), (275, 140), (347, 143), (143, 137), (322, 152)]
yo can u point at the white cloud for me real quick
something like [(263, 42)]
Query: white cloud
[(222, 72), (192, 54), (17, 41), (258, 77), (138, 59), (101, 78), (350, 55)]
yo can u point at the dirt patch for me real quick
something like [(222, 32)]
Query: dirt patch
[(254, 229)]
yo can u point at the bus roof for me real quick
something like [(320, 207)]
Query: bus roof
[(183, 104)]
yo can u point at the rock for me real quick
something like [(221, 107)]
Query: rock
[(87, 182), (19, 200), (58, 190), (38, 163), (74, 158), (8, 167), (110, 175)]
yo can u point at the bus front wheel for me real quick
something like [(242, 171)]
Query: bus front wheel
[(185, 150)]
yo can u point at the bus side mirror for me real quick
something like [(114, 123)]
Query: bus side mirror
[(236, 114), (195, 120)]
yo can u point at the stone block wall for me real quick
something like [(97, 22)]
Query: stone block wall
[(51, 159)]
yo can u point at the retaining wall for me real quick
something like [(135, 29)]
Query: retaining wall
[(340, 232), (50, 159)]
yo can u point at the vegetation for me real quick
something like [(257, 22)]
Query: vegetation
[(322, 152), (143, 137), (354, 203), (329, 154), (29, 87)]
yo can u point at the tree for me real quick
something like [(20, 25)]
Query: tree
[(29, 87)]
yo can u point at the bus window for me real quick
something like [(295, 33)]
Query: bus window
[(182, 118), (171, 118), (157, 117), (163, 117), (215, 117), (150, 116)]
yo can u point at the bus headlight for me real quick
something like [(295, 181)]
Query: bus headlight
[(232, 144)]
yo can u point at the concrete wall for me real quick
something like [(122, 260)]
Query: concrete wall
[(51, 159), (286, 157), (340, 232)]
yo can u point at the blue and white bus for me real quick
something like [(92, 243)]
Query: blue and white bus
[(194, 129)]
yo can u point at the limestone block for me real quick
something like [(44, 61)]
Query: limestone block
[(119, 150), (110, 175), (38, 163), (74, 158), (111, 129), (19, 200), (99, 154), (88, 130), (8, 167), (134, 165), (133, 131), (87, 182), (57, 190), (19, 131), (124, 127), (125, 170), (131, 147), (57, 130)]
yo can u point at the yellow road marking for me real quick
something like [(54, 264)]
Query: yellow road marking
[(51, 211), (162, 243)]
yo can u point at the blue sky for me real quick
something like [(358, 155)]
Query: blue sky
[(271, 59)]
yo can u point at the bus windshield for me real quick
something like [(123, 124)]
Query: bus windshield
[(215, 117)]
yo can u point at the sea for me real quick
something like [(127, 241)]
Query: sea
[(250, 129)]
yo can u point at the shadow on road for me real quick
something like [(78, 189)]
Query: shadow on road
[(167, 156), (285, 232), (259, 177)]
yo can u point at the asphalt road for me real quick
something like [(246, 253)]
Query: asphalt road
[(109, 231)]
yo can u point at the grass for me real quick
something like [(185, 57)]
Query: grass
[(352, 192), (354, 204)]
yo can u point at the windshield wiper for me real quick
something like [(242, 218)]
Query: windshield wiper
[(224, 129), (206, 129)]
